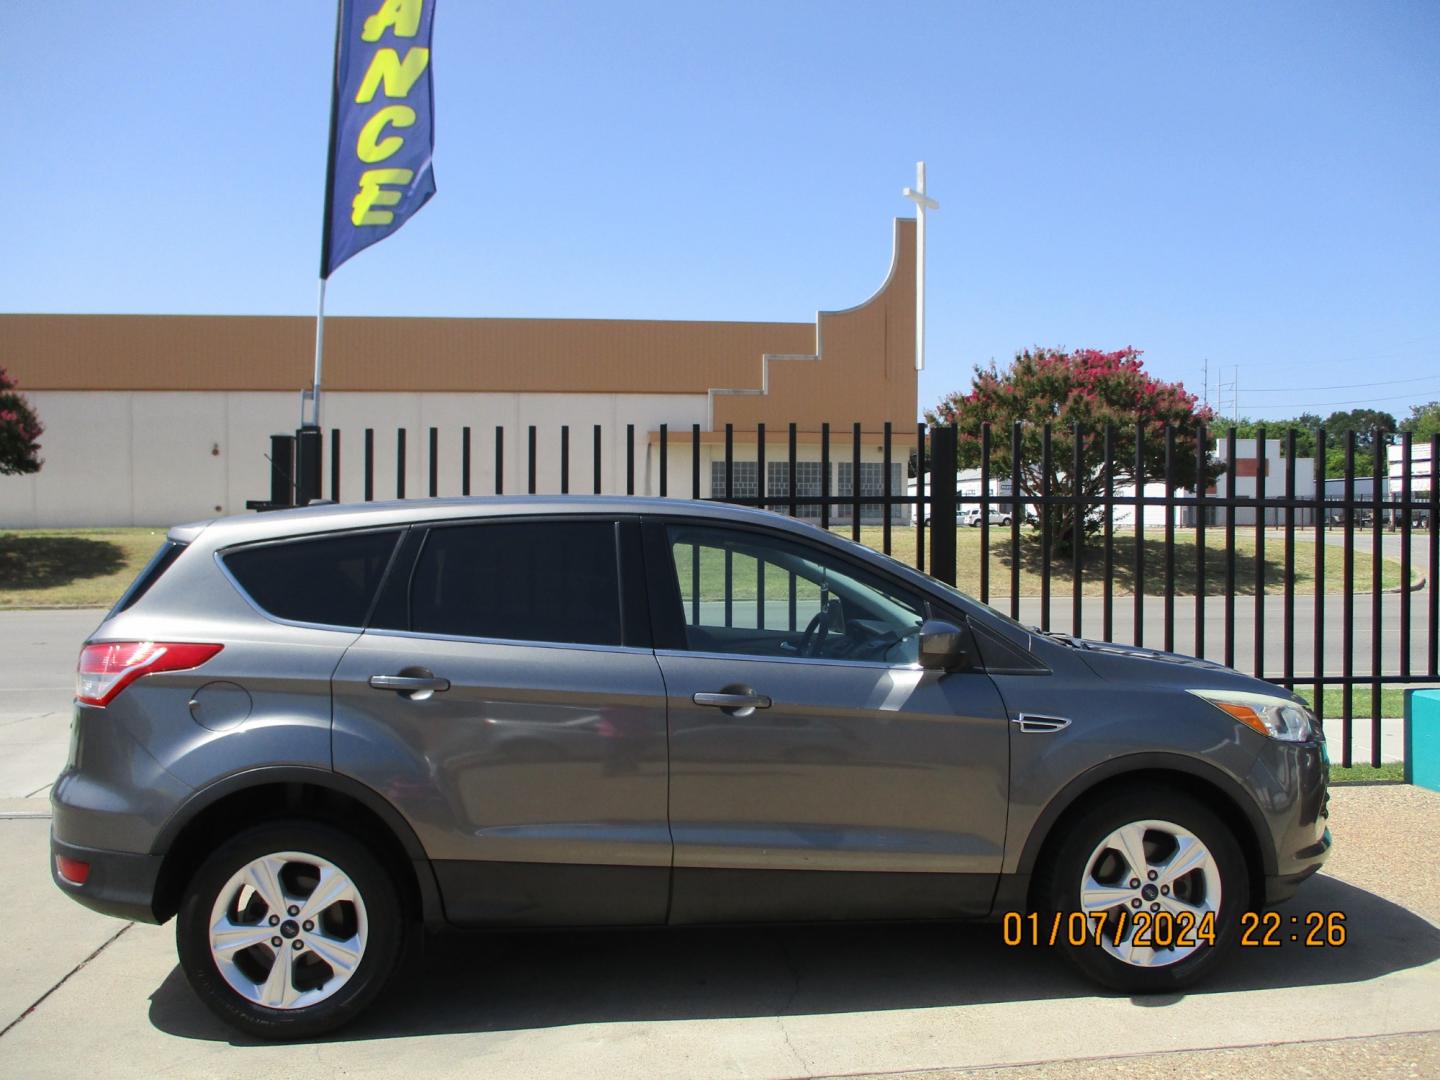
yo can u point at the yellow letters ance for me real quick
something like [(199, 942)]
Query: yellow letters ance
[(372, 194), (397, 75), (369, 147), (401, 15)]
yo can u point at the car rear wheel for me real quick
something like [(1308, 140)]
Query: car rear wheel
[(289, 930), (1160, 882)]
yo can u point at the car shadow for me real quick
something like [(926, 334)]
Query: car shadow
[(514, 982)]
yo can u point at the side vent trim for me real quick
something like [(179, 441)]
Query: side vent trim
[(1031, 724)]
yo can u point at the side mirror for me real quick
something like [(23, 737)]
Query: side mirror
[(945, 646)]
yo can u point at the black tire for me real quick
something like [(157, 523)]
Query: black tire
[(386, 930), (1004, 522), (1058, 885)]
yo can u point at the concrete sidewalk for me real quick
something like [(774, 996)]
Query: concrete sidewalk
[(38, 650), (756, 1003)]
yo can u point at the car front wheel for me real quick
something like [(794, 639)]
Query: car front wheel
[(289, 930), (1160, 882)]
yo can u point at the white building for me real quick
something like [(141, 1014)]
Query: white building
[(1249, 469), (1422, 469)]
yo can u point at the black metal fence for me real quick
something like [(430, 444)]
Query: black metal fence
[(1101, 560)]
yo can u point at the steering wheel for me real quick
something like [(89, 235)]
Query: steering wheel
[(815, 633)]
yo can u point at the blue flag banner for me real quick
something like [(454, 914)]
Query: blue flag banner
[(381, 124)]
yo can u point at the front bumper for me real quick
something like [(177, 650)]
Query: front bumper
[(1294, 781), (120, 883), (1281, 887)]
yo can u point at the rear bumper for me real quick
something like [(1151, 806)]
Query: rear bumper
[(120, 883)]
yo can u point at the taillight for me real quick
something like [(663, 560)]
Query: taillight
[(108, 667)]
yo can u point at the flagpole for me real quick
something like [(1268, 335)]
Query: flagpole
[(319, 358), (325, 224)]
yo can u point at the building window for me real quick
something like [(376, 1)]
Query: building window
[(744, 479), (807, 482), (872, 485)]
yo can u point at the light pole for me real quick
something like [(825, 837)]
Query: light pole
[(922, 203)]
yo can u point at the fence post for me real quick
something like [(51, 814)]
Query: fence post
[(369, 464), (282, 470), (309, 448), (335, 464), (943, 476)]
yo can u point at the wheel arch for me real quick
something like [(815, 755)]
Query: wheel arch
[(1201, 781), (253, 796)]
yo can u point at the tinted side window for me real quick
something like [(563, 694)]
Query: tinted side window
[(330, 580), (521, 581)]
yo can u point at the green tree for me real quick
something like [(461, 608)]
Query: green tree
[(19, 428), (1088, 389), (1423, 421), (1368, 424), (1305, 425)]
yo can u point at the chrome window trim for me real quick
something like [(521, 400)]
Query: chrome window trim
[(765, 659)]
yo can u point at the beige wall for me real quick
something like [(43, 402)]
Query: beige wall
[(850, 365), (152, 458), (158, 419)]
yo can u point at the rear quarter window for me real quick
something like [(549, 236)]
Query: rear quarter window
[(330, 580), (161, 561)]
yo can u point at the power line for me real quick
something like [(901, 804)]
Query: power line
[(1340, 386), (1227, 394), (1390, 352), (1326, 404)]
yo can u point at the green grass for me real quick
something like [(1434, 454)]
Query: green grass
[(1392, 700), (71, 567), (1392, 772), (1330, 561), (92, 567), (744, 577)]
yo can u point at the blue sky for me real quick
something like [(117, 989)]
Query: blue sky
[(1258, 185)]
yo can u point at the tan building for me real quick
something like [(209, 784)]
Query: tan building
[(158, 419)]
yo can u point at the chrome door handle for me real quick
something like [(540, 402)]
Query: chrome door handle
[(415, 687), (732, 701)]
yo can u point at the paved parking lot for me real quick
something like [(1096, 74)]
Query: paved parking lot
[(85, 994)]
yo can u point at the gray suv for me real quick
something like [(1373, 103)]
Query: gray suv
[(306, 734)]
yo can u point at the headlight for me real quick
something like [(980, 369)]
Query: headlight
[(1277, 717)]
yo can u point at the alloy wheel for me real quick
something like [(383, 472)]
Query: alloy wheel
[(1153, 867), (288, 930)]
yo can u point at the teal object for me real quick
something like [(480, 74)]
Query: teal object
[(1422, 738)]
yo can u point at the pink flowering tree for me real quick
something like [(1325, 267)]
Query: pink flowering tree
[(1088, 388), (19, 428)]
